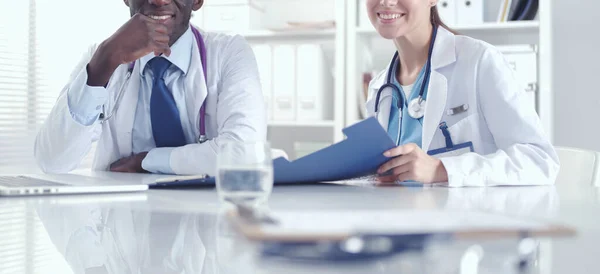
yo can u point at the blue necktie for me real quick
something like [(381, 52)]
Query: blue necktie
[(164, 115)]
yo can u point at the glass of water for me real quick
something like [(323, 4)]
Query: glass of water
[(244, 172)]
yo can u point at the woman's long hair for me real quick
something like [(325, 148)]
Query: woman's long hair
[(437, 20)]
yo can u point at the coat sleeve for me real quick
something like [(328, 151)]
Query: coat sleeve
[(525, 156), (241, 114), (62, 142)]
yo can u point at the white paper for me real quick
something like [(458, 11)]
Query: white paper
[(394, 221)]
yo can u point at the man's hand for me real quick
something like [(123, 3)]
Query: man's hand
[(136, 38), (409, 162), (131, 164)]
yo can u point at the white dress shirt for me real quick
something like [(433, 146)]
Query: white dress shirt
[(86, 111)]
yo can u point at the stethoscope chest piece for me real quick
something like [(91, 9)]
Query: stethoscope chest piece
[(416, 108)]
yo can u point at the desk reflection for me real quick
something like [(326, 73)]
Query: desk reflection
[(96, 239), (121, 240), (539, 201)]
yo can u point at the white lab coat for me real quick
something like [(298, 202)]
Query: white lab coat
[(234, 111), (509, 143)]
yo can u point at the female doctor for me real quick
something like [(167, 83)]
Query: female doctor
[(453, 106)]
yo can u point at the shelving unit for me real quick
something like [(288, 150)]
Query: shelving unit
[(368, 52), (306, 133)]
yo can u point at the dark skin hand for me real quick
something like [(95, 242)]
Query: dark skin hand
[(154, 27), (131, 164)]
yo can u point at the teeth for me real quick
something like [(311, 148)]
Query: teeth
[(162, 17), (389, 16)]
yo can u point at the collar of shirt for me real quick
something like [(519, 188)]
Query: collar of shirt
[(181, 53)]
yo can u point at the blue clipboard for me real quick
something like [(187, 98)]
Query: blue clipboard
[(360, 154)]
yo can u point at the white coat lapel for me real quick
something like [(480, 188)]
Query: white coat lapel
[(434, 107), (443, 55), (385, 106), (125, 117), (385, 100), (196, 89)]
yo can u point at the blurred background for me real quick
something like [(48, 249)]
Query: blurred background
[(315, 58)]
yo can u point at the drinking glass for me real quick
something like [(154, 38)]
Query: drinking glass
[(244, 172)]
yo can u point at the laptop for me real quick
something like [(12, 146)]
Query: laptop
[(53, 184)]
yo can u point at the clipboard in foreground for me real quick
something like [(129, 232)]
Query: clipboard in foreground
[(304, 226)]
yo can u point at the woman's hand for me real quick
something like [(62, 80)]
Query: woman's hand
[(409, 162)]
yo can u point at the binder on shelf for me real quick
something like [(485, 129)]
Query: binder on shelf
[(518, 10), (311, 82), (531, 96), (513, 9), (469, 12), (523, 60), (264, 60), (448, 11), (524, 10), (284, 82), (503, 13)]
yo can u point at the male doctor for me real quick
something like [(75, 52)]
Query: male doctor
[(154, 62)]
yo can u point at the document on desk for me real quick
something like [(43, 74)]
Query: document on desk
[(360, 154), (335, 225)]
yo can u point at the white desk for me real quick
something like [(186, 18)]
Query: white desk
[(166, 230)]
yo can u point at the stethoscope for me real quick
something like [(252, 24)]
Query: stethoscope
[(416, 107), (202, 47)]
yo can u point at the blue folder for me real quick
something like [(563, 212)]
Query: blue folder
[(360, 154)]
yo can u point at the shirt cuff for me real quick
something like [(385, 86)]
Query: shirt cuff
[(85, 102), (158, 160)]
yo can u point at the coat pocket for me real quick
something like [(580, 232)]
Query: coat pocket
[(466, 130)]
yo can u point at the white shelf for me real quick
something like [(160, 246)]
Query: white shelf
[(530, 26), (517, 32), (270, 35), (301, 123), (513, 25)]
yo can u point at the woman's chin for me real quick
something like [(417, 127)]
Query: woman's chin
[(390, 35)]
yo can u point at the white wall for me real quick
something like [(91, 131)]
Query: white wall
[(576, 73)]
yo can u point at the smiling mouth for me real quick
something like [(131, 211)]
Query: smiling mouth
[(389, 16), (161, 17)]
